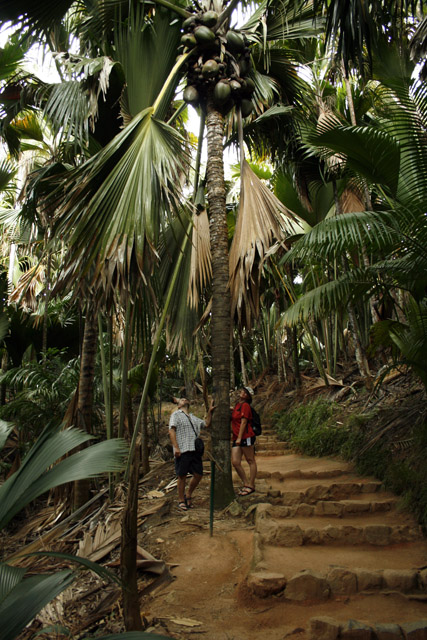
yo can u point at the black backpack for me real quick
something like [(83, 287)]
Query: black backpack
[(256, 422)]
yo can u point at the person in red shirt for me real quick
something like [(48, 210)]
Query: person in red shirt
[(243, 442)]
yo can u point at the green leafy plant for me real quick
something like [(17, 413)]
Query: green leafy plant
[(43, 468)]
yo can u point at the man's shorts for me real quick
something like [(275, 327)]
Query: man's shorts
[(246, 442), (189, 462)]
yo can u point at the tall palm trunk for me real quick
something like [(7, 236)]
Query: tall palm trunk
[(85, 393), (220, 324)]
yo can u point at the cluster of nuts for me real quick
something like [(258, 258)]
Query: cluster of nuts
[(221, 61)]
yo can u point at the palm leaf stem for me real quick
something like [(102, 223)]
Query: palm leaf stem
[(225, 14), (199, 152), (171, 77), (240, 134), (177, 114), (173, 7), (155, 348)]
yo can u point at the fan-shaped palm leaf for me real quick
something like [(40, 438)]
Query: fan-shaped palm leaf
[(122, 193), (185, 243), (261, 218), (7, 173), (146, 47)]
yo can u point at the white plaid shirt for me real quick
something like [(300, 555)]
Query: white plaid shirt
[(185, 435)]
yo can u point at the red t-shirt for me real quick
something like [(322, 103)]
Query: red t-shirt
[(242, 410)]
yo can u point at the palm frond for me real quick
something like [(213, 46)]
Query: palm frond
[(201, 266), (186, 241), (370, 152), (330, 296), (5, 429), (146, 45), (7, 173), (38, 15), (123, 194), (335, 236), (262, 217), (24, 599), (36, 474)]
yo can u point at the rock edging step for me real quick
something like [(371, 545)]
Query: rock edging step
[(312, 585), (326, 628), (334, 491), (330, 508), (281, 534)]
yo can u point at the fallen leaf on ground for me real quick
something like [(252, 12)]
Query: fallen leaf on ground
[(186, 622)]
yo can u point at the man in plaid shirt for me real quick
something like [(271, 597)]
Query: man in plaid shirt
[(184, 428)]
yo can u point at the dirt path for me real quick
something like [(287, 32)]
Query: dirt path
[(225, 587)]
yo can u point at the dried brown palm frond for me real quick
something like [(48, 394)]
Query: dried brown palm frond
[(201, 265), (28, 287), (262, 219), (352, 200)]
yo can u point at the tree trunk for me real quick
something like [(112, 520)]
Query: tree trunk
[(85, 394), (242, 359), (130, 598), (220, 324), (46, 302), (202, 373), (145, 453), (281, 371), (232, 369)]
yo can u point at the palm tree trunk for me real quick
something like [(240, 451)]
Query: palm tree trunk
[(232, 369), (202, 373), (281, 370), (85, 394), (242, 359), (220, 324), (145, 458)]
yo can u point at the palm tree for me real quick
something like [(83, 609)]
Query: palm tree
[(138, 172), (390, 155)]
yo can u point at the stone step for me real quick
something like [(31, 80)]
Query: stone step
[(322, 627), (308, 584), (313, 531), (304, 474), (334, 491), (268, 431), (266, 438), (293, 465), (272, 446), (335, 509)]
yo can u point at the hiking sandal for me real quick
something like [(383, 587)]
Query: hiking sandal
[(246, 491), (182, 506), (188, 502)]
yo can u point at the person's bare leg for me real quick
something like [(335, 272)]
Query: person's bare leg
[(193, 484), (249, 453), (236, 460), (181, 488)]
